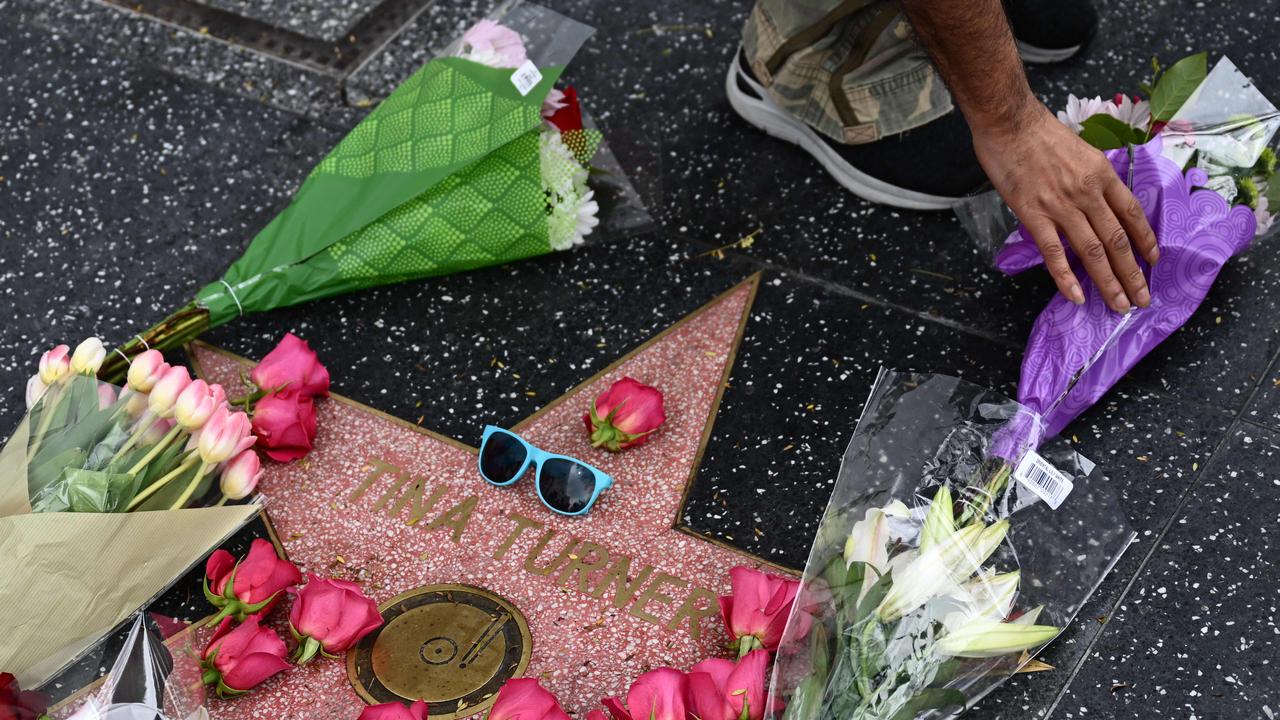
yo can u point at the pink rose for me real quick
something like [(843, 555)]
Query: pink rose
[(722, 690), (756, 613), (285, 425), (252, 585), (330, 617), (525, 699), (624, 415), (395, 711), (240, 657), (294, 366), (656, 695)]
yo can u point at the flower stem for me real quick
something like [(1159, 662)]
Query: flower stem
[(153, 487), (191, 487), (144, 423), (49, 404), (222, 502), (186, 323), (159, 448)]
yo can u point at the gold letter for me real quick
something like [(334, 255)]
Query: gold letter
[(695, 614), (522, 523), (420, 505), (616, 576), (378, 468), (578, 564), (456, 517), (531, 560), (654, 593)]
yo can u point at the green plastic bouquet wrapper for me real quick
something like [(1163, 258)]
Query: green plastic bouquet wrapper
[(442, 177)]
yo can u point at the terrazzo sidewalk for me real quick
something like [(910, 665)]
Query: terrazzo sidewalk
[(143, 143)]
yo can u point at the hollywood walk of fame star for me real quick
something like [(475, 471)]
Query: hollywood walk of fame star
[(606, 596)]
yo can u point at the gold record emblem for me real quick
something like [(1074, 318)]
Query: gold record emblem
[(451, 645)]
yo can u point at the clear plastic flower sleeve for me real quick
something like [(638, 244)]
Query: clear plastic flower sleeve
[(941, 564), (76, 559), (1222, 129)]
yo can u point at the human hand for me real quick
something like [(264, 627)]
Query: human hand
[(1055, 182)]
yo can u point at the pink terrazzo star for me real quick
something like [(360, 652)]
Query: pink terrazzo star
[(348, 512)]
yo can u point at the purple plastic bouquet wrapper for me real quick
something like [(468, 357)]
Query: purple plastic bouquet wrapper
[(1077, 352)]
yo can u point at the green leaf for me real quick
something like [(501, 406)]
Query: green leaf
[(97, 491), (1176, 85), (874, 595), (1107, 133), (931, 699), (1273, 193)]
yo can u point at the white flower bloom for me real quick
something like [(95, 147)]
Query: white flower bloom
[(571, 210), (1136, 115), (1263, 215), (1079, 109)]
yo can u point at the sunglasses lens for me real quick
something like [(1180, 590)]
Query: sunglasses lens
[(565, 485), (502, 457)]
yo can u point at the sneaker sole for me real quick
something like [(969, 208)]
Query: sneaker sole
[(1033, 54), (764, 114)]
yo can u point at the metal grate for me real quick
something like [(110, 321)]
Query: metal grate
[(336, 59)]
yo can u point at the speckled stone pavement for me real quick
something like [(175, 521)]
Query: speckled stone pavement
[(137, 157)]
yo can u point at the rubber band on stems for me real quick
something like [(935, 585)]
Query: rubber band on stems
[(233, 296)]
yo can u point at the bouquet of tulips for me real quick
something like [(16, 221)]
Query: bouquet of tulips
[(949, 555), (93, 481)]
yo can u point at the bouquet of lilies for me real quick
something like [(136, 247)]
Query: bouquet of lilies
[(477, 159), (945, 560)]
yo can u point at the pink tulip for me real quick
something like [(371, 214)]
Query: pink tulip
[(624, 415), (252, 585), (656, 695), (495, 45), (240, 657), (285, 425), (145, 370), (756, 613), (395, 711), (241, 475), (135, 403), (55, 364), (195, 404), (292, 365), (164, 394), (156, 431), (331, 616), (722, 690), (35, 390), (223, 435), (106, 395), (525, 699)]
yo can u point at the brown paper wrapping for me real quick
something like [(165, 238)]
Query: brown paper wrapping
[(66, 579)]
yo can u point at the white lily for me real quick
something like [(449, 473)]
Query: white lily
[(941, 569), (939, 523), (985, 638), (868, 544)]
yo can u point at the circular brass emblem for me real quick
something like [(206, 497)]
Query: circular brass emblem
[(451, 645)]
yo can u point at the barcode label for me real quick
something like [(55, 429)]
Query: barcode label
[(526, 77), (1037, 475)]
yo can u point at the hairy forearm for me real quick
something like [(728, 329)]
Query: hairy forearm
[(973, 48)]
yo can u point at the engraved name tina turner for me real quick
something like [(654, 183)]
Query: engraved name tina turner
[(591, 568)]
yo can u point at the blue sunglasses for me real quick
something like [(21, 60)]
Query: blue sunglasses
[(565, 485)]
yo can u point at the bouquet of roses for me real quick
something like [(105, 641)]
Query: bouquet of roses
[(946, 557), (475, 160), (1196, 157)]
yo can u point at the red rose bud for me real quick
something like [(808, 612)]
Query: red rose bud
[(395, 711), (19, 704), (330, 617), (624, 415), (241, 657), (285, 425), (292, 365), (253, 585), (756, 613), (568, 117)]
